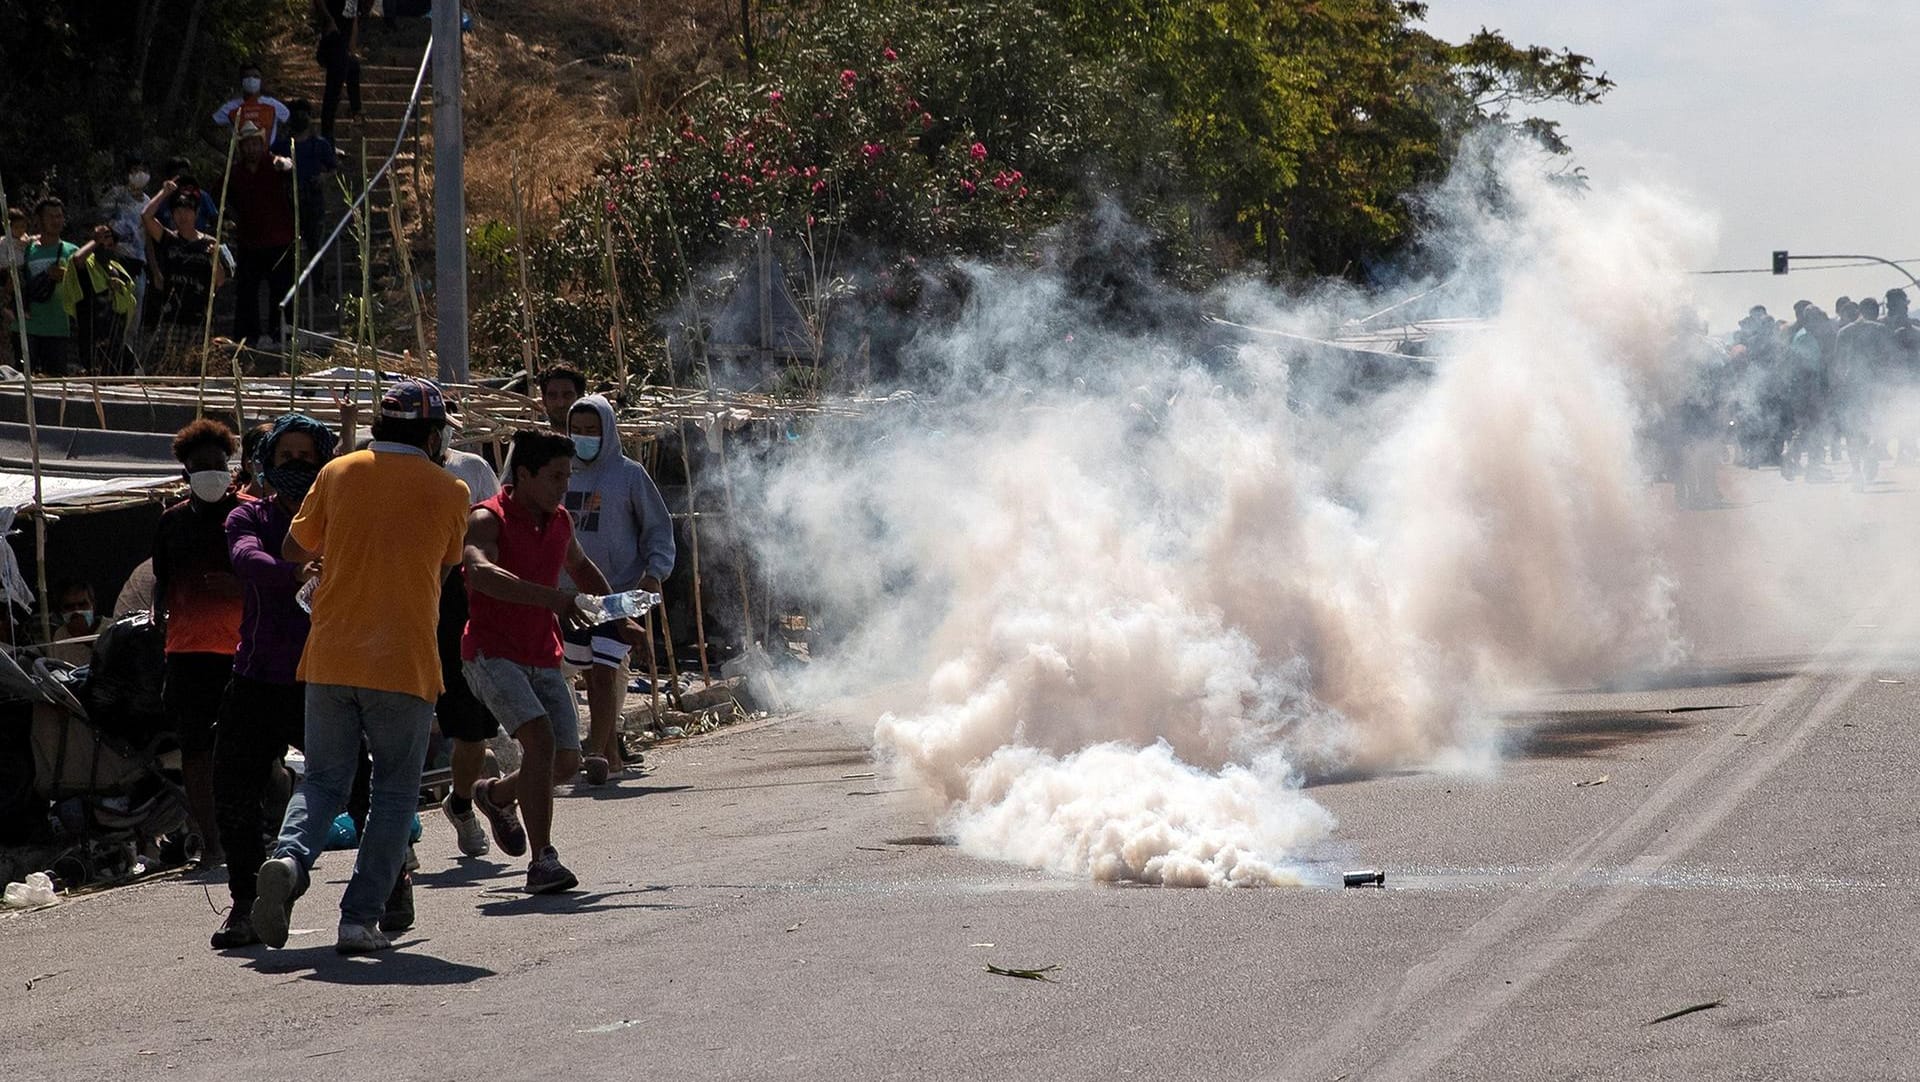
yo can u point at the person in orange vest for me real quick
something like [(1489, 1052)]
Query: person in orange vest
[(253, 106)]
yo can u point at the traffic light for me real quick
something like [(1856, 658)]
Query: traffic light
[(1779, 262)]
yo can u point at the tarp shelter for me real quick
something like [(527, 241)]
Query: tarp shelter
[(760, 328)]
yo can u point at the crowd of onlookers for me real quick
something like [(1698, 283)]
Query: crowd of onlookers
[(129, 284), (1813, 396)]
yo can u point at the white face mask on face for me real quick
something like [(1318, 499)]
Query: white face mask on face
[(209, 485), (138, 180), (250, 85)]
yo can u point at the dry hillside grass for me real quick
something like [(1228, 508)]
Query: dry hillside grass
[(551, 82)]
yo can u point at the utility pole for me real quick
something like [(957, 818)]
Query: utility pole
[(449, 195), (1783, 261)]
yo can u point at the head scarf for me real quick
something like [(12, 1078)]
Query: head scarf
[(293, 479)]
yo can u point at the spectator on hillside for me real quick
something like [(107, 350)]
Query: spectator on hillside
[(103, 278), (314, 161), (49, 292), (121, 209), (13, 252), (252, 106), (206, 211), (260, 205), (187, 270), (338, 22)]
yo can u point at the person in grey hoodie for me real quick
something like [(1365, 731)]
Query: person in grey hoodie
[(625, 528)]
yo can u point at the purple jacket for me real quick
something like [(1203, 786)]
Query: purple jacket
[(273, 628)]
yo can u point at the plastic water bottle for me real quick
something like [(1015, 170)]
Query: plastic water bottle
[(627, 606), (305, 597)]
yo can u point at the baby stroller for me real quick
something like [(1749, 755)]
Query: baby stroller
[(115, 791)]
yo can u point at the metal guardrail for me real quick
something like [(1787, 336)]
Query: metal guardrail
[(407, 120)]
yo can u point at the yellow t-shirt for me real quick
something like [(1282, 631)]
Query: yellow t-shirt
[(388, 524)]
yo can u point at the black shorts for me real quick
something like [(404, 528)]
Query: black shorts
[(459, 714), (192, 692)]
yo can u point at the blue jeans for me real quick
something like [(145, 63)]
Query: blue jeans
[(396, 728)]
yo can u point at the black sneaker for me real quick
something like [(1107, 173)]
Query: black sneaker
[(236, 932), (508, 834), (546, 875), (399, 914)]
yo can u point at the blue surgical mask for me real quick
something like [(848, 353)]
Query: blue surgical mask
[(586, 448)]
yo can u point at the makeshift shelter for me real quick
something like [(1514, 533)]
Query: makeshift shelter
[(760, 328)]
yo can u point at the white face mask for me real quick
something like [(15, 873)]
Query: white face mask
[(250, 85), (209, 485), (138, 180)]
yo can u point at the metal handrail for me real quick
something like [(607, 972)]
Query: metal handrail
[(399, 140)]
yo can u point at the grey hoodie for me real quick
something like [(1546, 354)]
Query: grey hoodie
[(618, 515)]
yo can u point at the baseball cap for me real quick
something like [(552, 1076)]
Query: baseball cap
[(413, 400)]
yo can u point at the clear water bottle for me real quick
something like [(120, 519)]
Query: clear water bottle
[(627, 606), (305, 597)]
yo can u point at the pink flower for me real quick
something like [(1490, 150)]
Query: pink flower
[(871, 151), (809, 221), (646, 163), (1023, 193), (978, 151), (890, 54), (967, 186), (776, 97), (926, 121), (819, 186), (610, 207), (848, 78), (716, 197), (627, 169), (744, 224)]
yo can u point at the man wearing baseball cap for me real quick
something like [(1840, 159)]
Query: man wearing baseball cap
[(387, 522)]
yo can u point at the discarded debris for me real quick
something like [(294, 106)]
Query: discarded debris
[(855, 777), (979, 944), (31, 981), (1885, 680), (795, 926), (1684, 1011), (612, 1027), (37, 890), (1023, 974), (1601, 780), (1369, 878)]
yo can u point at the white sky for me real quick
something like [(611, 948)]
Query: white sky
[(1789, 120)]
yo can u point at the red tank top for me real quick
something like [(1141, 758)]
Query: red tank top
[(536, 551)]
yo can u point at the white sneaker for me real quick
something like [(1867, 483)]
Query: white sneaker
[(361, 939), (467, 830)]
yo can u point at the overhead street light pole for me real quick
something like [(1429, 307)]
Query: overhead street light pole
[(1782, 262)]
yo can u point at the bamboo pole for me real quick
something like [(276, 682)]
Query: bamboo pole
[(213, 269), (693, 532), (363, 327), (293, 320), (613, 302), (530, 336), (406, 264), (673, 666), (653, 671), (739, 543), (33, 442)]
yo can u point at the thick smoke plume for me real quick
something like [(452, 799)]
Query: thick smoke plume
[(1126, 590)]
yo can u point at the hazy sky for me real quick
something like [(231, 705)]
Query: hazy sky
[(1789, 121)]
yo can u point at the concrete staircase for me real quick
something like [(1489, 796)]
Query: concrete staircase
[(389, 62)]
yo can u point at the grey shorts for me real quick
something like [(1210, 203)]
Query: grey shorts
[(516, 694)]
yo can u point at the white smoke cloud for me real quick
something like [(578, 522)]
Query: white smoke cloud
[(1125, 595)]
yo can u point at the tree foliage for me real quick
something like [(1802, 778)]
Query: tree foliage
[(901, 134)]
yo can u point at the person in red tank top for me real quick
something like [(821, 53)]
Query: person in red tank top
[(518, 542)]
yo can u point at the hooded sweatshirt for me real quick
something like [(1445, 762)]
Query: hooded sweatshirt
[(618, 516)]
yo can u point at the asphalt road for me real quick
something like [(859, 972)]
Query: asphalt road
[(756, 908)]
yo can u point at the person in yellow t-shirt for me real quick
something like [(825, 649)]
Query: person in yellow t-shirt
[(385, 524)]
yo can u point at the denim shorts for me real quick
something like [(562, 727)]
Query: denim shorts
[(516, 694)]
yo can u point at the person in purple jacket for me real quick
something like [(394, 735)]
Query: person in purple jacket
[(265, 706)]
